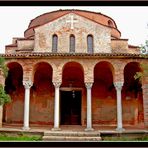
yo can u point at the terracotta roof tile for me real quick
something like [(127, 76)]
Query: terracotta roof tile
[(71, 55)]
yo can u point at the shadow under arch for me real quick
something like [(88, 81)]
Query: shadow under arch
[(132, 96), (14, 87), (73, 74), (42, 95), (103, 95)]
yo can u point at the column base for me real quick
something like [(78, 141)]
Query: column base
[(26, 128), (56, 129), (120, 129), (89, 129)]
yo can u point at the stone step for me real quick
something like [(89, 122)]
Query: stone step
[(72, 133), (70, 138)]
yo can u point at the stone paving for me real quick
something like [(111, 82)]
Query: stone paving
[(44, 128), (74, 132)]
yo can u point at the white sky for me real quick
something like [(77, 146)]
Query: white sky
[(131, 21)]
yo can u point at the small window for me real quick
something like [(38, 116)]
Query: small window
[(90, 44), (54, 43), (72, 43), (110, 23)]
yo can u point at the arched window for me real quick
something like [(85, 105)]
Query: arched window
[(54, 43), (72, 43), (90, 44), (110, 23)]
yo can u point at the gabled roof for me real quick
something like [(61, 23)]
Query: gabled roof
[(93, 16)]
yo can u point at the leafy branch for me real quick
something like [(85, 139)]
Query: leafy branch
[(144, 66), (4, 98), (3, 67)]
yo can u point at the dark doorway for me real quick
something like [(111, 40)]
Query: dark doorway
[(71, 107)]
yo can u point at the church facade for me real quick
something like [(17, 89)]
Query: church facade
[(72, 68)]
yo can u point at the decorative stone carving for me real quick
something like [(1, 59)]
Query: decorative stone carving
[(27, 84), (72, 21), (57, 84), (118, 85), (89, 85)]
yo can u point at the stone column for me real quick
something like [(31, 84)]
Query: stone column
[(118, 86), (89, 108), (27, 85), (56, 106)]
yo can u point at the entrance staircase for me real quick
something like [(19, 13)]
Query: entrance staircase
[(72, 136)]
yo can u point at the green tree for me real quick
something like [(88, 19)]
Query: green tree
[(4, 98), (3, 67), (144, 67)]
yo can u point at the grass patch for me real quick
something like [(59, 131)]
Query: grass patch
[(123, 138), (19, 137)]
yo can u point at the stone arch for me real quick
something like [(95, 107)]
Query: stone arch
[(69, 71), (8, 63), (130, 71), (72, 94), (103, 94), (44, 68), (132, 95), (14, 87), (41, 63), (41, 96), (109, 65)]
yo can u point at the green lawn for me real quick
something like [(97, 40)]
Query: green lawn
[(123, 138), (28, 137), (19, 137)]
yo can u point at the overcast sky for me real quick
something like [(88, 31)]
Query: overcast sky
[(131, 21)]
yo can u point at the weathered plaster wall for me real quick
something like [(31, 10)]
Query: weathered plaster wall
[(82, 28), (103, 102)]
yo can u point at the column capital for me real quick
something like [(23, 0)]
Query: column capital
[(88, 84), (118, 85), (27, 84), (57, 84)]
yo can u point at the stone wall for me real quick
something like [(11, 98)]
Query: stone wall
[(82, 28), (119, 46), (25, 44)]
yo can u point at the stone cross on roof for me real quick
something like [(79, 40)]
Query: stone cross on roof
[(72, 21)]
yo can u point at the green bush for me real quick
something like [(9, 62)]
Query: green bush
[(3, 67), (4, 98)]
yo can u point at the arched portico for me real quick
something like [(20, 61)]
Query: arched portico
[(103, 95), (42, 95), (133, 113), (72, 94), (14, 87)]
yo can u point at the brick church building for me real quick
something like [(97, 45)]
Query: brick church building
[(72, 68)]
